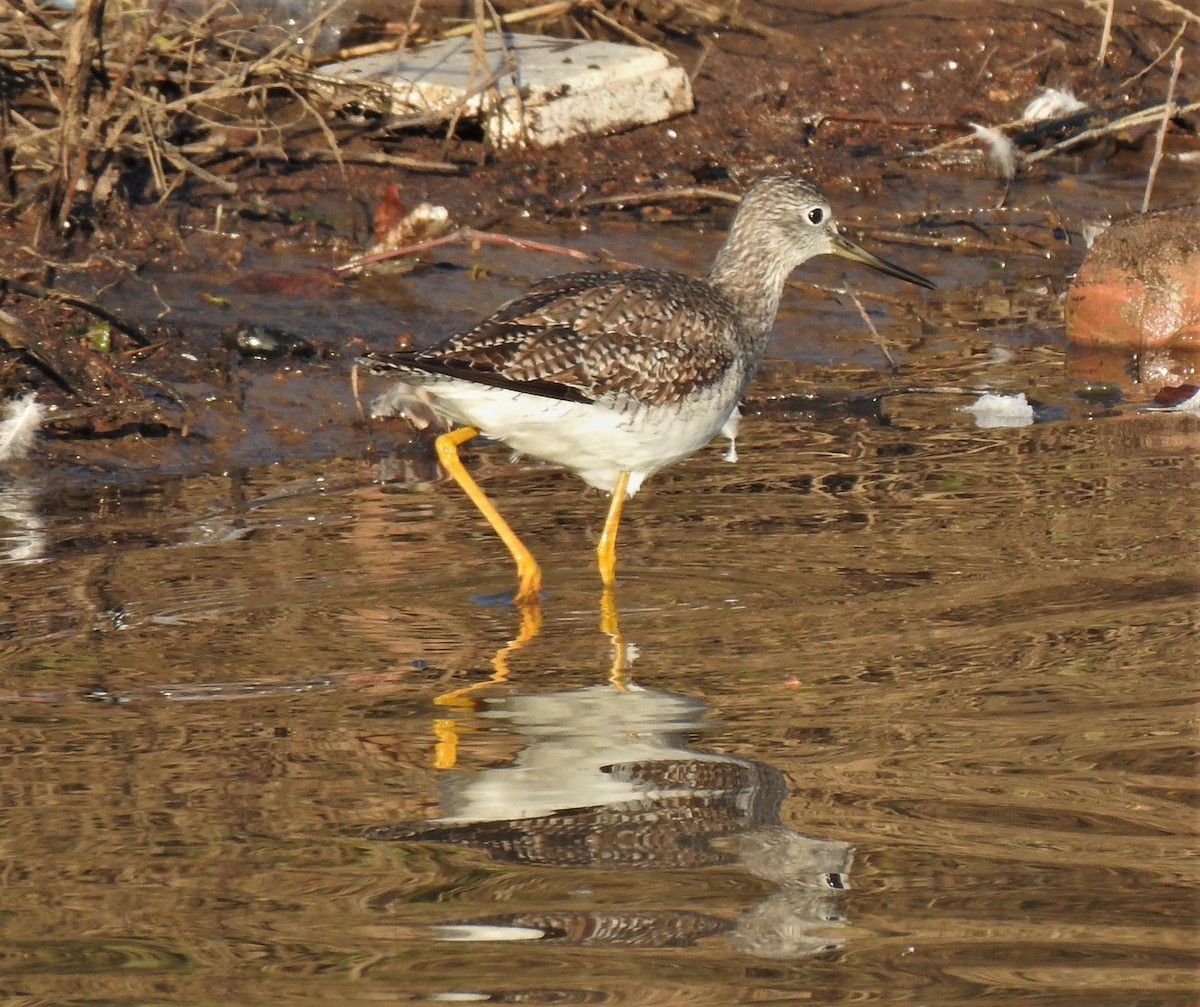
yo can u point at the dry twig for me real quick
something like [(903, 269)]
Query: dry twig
[(1157, 59), (1180, 10), (556, 9), (1106, 34), (470, 235), (657, 196), (1160, 135), (111, 98), (862, 312)]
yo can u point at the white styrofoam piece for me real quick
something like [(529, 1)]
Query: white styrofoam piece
[(548, 89)]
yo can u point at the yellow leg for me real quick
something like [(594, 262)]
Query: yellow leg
[(529, 574), (606, 548)]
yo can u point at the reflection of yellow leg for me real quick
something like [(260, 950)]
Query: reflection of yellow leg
[(531, 624), (606, 548), (448, 729), (529, 574), (612, 628), (445, 752)]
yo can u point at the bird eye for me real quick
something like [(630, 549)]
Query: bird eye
[(816, 215)]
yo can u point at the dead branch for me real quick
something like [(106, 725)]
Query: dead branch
[(464, 235), (110, 92), (131, 329), (656, 196), (1139, 118)]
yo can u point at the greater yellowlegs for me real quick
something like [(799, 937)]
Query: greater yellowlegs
[(616, 375)]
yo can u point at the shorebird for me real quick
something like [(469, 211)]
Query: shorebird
[(618, 374)]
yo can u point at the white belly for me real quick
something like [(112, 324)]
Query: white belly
[(594, 441)]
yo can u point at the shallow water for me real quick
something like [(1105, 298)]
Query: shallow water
[(894, 709), (908, 718)]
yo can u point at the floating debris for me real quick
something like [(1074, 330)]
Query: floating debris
[(397, 228), (992, 410)]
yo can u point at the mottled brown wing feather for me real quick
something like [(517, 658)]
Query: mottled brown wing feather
[(650, 336)]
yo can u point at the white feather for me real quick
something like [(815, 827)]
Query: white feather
[(22, 417), (1052, 103), (1002, 152)]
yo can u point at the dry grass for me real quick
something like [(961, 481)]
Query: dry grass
[(121, 98), (132, 99)]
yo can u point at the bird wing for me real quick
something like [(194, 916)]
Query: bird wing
[(647, 336)]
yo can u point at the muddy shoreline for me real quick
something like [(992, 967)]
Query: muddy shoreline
[(840, 92)]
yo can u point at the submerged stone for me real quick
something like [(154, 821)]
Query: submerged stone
[(1139, 285)]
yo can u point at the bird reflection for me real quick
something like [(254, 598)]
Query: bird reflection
[(445, 729), (606, 780)]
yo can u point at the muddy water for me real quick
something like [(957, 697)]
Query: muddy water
[(893, 709)]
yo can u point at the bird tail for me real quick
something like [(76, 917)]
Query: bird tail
[(410, 401)]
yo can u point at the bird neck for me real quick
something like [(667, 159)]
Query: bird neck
[(751, 274)]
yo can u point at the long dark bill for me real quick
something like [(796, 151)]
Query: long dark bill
[(846, 248)]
